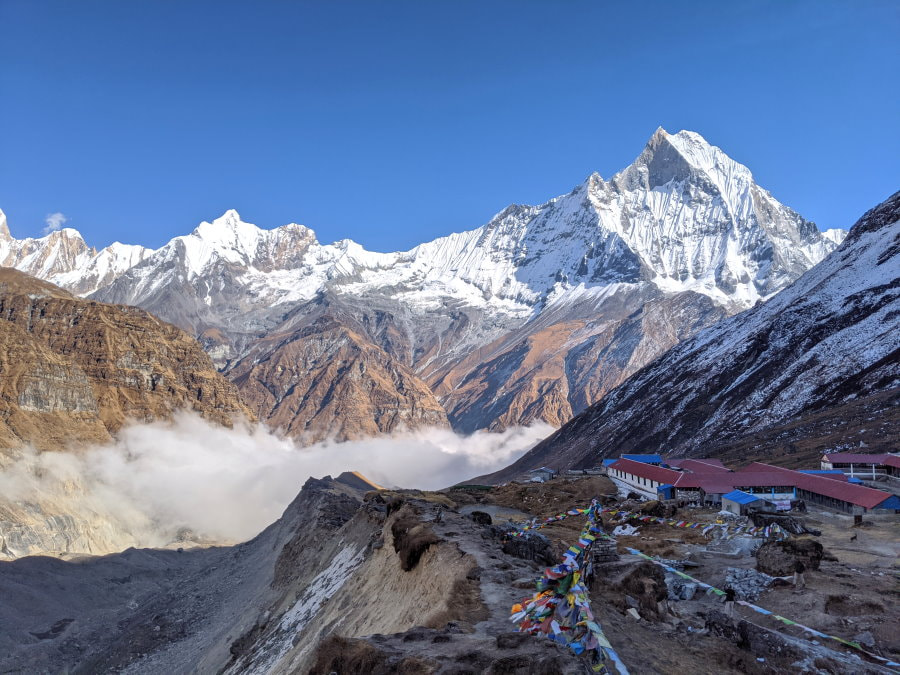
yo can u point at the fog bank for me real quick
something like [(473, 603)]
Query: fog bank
[(229, 484)]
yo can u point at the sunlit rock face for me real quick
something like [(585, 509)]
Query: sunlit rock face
[(74, 371)]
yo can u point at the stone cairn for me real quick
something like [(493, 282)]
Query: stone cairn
[(603, 551)]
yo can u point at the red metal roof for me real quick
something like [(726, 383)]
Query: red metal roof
[(648, 471), (719, 482), (847, 492), (763, 479), (699, 465), (757, 474), (710, 483)]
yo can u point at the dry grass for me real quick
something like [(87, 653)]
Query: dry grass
[(554, 496), (411, 538), (358, 657), (464, 605)]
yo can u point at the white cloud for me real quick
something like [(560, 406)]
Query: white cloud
[(54, 222), (229, 484)]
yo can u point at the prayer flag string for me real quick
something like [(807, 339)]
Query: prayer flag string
[(560, 609)]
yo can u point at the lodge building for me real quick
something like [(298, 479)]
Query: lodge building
[(705, 481), (862, 466)]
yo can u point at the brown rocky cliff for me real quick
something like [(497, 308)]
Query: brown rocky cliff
[(74, 371), (554, 368), (328, 381)]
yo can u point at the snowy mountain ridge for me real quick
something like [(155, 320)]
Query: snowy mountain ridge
[(63, 258), (533, 315), (829, 341), (649, 221)]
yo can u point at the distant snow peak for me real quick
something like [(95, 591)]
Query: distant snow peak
[(836, 234), (682, 217)]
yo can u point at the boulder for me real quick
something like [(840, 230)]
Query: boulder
[(747, 584), (531, 546), (866, 639), (777, 558), (481, 518), (679, 589), (652, 508)]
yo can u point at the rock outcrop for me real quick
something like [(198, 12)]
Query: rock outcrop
[(778, 558), (327, 380), (73, 371)]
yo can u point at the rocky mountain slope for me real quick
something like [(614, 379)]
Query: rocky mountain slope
[(332, 565), (74, 371), (533, 316), (409, 582), (822, 356), (327, 378)]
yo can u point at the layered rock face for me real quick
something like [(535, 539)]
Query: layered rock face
[(820, 359), (533, 316), (329, 381), (74, 371), (557, 365)]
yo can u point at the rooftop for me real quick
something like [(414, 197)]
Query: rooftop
[(648, 471), (647, 459), (699, 465), (706, 460), (828, 487), (834, 474), (712, 479), (740, 497)]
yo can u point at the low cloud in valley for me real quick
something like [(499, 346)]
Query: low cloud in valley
[(229, 484)]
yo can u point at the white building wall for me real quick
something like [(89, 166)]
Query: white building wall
[(645, 487)]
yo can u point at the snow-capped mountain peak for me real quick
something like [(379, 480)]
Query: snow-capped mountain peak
[(835, 234), (682, 217), (668, 157), (230, 239)]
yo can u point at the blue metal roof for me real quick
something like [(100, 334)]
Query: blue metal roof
[(740, 497), (607, 462), (819, 472), (646, 459), (892, 502)]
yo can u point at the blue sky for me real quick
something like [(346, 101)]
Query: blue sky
[(395, 122)]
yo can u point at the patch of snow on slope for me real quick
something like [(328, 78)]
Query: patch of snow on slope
[(319, 591)]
